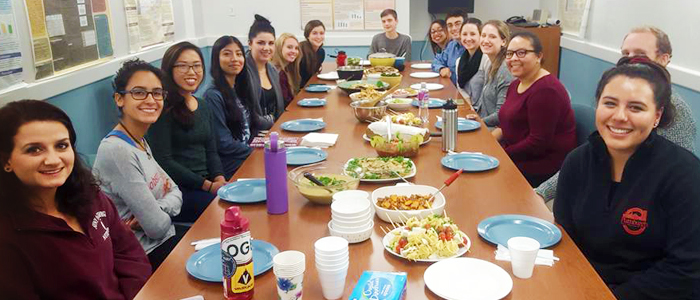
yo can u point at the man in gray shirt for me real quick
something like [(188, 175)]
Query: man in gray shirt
[(392, 41)]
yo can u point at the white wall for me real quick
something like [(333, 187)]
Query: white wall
[(285, 16)]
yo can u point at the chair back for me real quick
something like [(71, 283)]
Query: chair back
[(585, 121)]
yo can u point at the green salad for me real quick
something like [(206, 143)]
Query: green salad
[(379, 167)]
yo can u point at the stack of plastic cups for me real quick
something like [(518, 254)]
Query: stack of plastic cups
[(289, 267), (332, 262)]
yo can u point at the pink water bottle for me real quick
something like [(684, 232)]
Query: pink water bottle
[(276, 175)]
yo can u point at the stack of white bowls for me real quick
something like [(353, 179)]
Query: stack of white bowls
[(351, 219), (332, 262)]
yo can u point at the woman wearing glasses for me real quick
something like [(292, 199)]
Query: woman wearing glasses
[(182, 139), (437, 35), (143, 193), (537, 125), (263, 78)]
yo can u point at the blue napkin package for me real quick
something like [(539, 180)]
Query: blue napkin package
[(380, 286)]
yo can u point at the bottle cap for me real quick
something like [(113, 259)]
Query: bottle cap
[(450, 104), (233, 216), (274, 144)]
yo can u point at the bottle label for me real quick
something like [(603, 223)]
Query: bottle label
[(237, 260)]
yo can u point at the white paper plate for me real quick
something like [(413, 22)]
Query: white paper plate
[(364, 136), (365, 62), (460, 252), (429, 86), (329, 76), (425, 75), (413, 173), (421, 66), (466, 278)]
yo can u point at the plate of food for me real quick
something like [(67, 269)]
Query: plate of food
[(366, 138), (408, 119), (380, 70), (399, 202), (366, 94), (429, 239), (380, 169), (405, 92), (354, 86), (399, 103)]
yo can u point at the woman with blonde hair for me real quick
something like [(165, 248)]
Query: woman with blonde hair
[(287, 59), (495, 36)]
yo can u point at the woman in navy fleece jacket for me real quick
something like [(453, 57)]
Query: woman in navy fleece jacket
[(629, 198), (60, 237)]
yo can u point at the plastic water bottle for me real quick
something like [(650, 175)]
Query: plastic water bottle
[(449, 126), (276, 175), (236, 256), (423, 101)]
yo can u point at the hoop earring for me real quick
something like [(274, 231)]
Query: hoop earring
[(8, 169)]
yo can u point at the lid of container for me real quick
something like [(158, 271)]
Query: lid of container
[(274, 144), (232, 215), (450, 104)]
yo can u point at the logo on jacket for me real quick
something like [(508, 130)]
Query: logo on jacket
[(634, 221), (98, 219)]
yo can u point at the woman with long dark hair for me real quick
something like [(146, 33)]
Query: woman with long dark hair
[(182, 139), (437, 35), (145, 196), (264, 81), (628, 197), (233, 111), (312, 53), (61, 236)]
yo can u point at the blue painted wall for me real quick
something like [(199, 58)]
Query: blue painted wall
[(580, 74)]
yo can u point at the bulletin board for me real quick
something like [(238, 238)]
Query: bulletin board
[(67, 34), (149, 22), (345, 14)]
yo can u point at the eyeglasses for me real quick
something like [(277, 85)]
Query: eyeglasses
[(520, 53), (184, 68), (141, 94)]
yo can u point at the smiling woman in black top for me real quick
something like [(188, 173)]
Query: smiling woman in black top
[(629, 197)]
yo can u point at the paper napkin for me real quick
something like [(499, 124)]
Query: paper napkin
[(315, 139), (544, 256)]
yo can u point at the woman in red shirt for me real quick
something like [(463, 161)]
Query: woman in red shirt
[(60, 237), (538, 128)]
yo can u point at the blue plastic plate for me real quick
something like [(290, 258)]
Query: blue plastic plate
[(432, 103), (499, 229), (244, 191), (298, 156), (311, 102), (462, 125), (205, 264), (317, 88), (303, 125), (470, 162)]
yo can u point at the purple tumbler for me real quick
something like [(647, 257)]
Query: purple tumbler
[(276, 175)]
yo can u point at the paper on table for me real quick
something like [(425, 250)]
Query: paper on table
[(544, 256), (316, 139)]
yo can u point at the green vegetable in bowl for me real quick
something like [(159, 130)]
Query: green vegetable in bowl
[(381, 84), (391, 74), (354, 61), (328, 181)]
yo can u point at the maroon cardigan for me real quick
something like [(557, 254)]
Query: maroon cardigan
[(43, 258), (539, 128)]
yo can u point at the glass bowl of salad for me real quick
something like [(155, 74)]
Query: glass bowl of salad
[(330, 174)]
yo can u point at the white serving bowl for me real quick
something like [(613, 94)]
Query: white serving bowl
[(406, 190), (354, 221), (350, 208), (353, 237), (349, 227), (353, 194), (399, 103)]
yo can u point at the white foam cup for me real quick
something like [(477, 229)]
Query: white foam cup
[(523, 252)]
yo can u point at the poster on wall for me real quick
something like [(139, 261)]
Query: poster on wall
[(348, 15), (10, 55), (373, 10), (574, 16), (317, 10), (68, 34), (149, 22)]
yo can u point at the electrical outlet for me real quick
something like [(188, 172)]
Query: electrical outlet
[(231, 11)]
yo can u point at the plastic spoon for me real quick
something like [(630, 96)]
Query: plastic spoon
[(315, 180)]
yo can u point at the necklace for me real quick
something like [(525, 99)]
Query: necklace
[(139, 142)]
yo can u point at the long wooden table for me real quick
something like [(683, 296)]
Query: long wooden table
[(472, 198)]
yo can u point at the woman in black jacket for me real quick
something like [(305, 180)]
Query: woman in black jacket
[(629, 198)]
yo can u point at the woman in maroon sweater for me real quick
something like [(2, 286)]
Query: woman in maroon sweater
[(538, 128), (60, 237)]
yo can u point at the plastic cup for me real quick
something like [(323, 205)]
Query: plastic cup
[(290, 287), (289, 263), (331, 246), (523, 252)]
